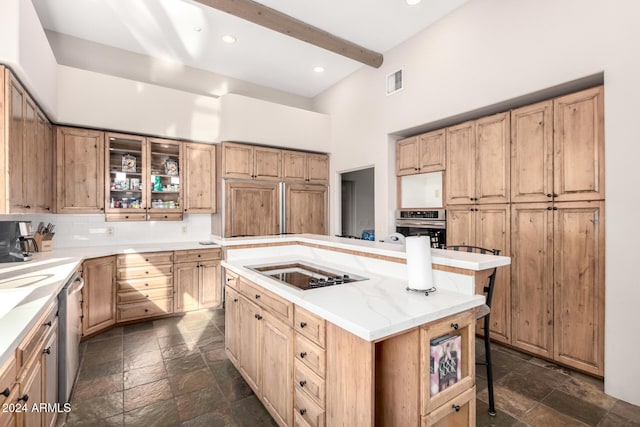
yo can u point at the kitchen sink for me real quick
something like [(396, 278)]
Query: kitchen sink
[(305, 275)]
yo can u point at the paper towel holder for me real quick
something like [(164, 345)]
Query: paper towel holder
[(426, 291)]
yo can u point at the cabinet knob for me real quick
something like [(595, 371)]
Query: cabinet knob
[(48, 323), (303, 383), (456, 407), (146, 284), (549, 195), (146, 259), (6, 392), (166, 216), (126, 216), (47, 208), (303, 324), (146, 296), (199, 255), (23, 398), (302, 411), (555, 208), (549, 208), (103, 209), (257, 296), (257, 316), (46, 350), (555, 195), (303, 355), (229, 279), (146, 272), (454, 326), (27, 206), (146, 310), (235, 300)]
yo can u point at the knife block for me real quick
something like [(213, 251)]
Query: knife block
[(43, 245)]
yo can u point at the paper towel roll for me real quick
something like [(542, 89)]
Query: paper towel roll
[(419, 267)]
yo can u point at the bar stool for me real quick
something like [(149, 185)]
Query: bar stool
[(484, 312)]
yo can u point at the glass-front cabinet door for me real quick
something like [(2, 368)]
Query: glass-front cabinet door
[(165, 180), (126, 185)]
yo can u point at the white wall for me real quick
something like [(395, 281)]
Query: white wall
[(101, 101), (252, 120), (490, 51), (24, 48)]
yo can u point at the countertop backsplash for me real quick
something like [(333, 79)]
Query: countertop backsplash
[(92, 230)]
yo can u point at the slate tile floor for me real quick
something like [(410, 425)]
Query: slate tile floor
[(174, 372)]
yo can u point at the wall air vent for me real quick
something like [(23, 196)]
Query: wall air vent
[(394, 82)]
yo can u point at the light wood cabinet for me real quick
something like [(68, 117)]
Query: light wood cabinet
[(197, 279), (98, 294), (31, 391), (231, 325), (200, 178), (478, 161), (421, 153), (298, 166), (558, 286), (276, 366), (487, 226), (252, 208), (26, 169), (79, 170), (249, 334), (307, 209), (579, 140), (558, 149), (251, 162), (50, 357), (144, 285)]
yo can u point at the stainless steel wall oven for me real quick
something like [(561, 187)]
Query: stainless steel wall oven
[(430, 223)]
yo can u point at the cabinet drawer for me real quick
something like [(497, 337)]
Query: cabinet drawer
[(459, 411), (34, 341), (142, 310), (311, 413), (148, 271), (310, 325), (197, 255), (8, 376), (308, 382), (126, 217), (141, 296), (231, 279), (266, 299), (144, 259), (173, 216), (310, 354), (144, 284)]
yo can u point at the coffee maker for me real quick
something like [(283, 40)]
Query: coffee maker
[(16, 241)]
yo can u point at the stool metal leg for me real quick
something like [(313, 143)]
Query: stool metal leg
[(487, 351)]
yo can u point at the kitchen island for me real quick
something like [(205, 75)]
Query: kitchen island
[(354, 353)]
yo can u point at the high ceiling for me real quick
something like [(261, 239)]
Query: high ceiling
[(188, 33)]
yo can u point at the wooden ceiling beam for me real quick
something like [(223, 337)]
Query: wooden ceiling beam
[(285, 24)]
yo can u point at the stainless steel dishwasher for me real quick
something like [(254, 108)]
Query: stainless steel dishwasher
[(70, 315)]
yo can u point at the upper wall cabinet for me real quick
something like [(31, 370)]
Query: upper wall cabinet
[(251, 162), (579, 140), (421, 153), (298, 166), (557, 149), (478, 161), (79, 170), (199, 177), (28, 147)]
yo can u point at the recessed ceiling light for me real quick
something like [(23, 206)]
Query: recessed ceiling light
[(197, 29), (318, 69), (412, 2), (228, 38)]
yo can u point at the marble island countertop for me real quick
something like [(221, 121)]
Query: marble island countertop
[(371, 309)]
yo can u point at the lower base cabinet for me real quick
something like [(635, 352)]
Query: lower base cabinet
[(309, 372)]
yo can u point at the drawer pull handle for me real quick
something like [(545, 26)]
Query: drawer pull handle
[(229, 279), (303, 324), (302, 411), (454, 326), (6, 392), (23, 398), (46, 350), (456, 407), (257, 296), (257, 316), (48, 323), (303, 354), (303, 383)]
